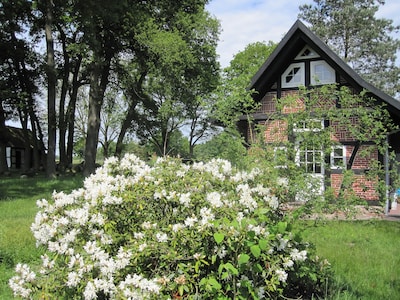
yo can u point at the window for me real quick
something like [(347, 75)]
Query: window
[(314, 125), (8, 156), (309, 156), (338, 157), (311, 159), (293, 76), (307, 52), (321, 73)]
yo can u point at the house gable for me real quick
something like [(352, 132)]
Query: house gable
[(298, 46)]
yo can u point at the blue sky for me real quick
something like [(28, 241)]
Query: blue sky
[(248, 21)]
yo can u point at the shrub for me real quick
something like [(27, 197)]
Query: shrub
[(201, 231)]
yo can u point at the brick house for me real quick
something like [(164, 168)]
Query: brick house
[(301, 59)]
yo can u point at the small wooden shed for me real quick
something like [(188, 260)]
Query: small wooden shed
[(19, 145)]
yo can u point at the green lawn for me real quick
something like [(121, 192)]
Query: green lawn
[(365, 255), (17, 211)]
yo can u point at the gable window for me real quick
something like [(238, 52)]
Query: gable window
[(321, 73), (338, 157), (293, 76), (307, 52)]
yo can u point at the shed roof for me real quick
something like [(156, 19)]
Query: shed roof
[(15, 137)]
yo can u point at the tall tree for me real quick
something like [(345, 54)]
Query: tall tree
[(102, 23), (365, 42), (19, 71), (51, 92), (174, 65)]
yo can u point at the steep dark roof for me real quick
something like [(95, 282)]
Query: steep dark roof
[(298, 37), (15, 137)]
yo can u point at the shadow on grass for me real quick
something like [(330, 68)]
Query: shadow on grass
[(14, 187)]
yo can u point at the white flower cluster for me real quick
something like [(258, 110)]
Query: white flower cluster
[(19, 282), (96, 234)]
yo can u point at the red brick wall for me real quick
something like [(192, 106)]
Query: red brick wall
[(268, 103), (275, 131), (362, 186), (364, 155), (341, 132)]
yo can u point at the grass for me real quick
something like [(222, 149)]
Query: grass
[(363, 254), (17, 211)]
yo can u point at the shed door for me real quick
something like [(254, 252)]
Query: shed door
[(18, 159)]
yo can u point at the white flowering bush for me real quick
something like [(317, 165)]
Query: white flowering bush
[(167, 231)]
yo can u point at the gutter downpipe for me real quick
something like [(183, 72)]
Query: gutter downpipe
[(387, 177)]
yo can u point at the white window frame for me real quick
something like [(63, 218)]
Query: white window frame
[(312, 53), (301, 74), (308, 151), (303, 126), (342, 157), (315, 80), (8, 156)]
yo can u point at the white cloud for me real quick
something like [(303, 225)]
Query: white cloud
[(244, 22)]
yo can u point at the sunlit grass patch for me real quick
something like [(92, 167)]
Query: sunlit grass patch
[(364, 256)]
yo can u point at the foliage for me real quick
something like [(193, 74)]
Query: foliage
[(226, 145), (233, 97), (168, 231), (361, 39), (172, 89)]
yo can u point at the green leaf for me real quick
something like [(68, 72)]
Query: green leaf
[(263, 244), (255, 250), (282, 227), (243, 258), (228, 266), (258, 268), (214, 283), (219, 237)]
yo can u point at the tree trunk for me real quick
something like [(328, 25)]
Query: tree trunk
[(135, 95), (51, 94), (62, 117), (93, 125), (124, 128), (98, 83), (70, 117)]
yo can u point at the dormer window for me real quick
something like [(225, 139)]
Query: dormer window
[(321, 73), (293, 76)]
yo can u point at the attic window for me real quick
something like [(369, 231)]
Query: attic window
[(321, 73), (307, 52), (293, 76)]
